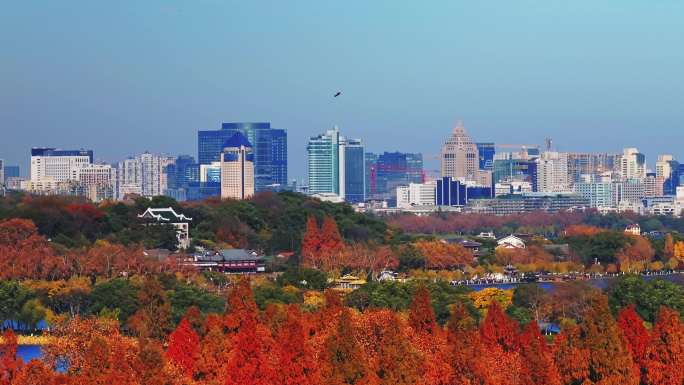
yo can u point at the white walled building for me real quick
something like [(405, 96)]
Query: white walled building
[(632, 164), (143, 174), (168, 216), (50, 166), (237, 168), (600, 194), (512, 187), (552, 172), (98, 181), (416, 194)]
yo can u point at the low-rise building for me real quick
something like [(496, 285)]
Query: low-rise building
[(230, 261), (510, 242), (169, 216)]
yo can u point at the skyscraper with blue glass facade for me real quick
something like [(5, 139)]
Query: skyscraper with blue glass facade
[(486, 153), (355, 172), (269, 145)]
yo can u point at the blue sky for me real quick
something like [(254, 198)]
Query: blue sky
[(128, 76)]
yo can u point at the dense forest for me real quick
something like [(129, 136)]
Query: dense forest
[(328, 342), (117, 314), (334, 238)]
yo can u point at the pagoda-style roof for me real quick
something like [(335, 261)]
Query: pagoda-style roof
[(164, 214)]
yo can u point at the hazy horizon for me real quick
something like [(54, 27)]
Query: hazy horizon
[(121, 78)]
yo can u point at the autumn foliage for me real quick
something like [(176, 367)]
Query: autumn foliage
[(339, 345)]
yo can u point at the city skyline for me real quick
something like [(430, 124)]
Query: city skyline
[(612, 84)]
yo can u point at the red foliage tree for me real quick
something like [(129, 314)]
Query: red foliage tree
[(183, 347), (421, 315), (346, 361), (610, 361), (37, 373), (538, 366), (499, 329), (9, 363), (311, 243), (665, 355), (636, 335), (296, 358), (249, 361), (570, 355), (464, 347), (24, 253)]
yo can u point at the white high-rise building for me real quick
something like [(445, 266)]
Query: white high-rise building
[(632, 164), (50, 166), (237, 168), (2, 172), (326, 158), (143, 175), (552, 172)]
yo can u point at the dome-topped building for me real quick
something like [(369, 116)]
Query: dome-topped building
[(237, 168)]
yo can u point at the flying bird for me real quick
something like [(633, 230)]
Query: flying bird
[(338, 93)]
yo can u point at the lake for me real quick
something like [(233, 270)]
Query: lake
[(29, 352)]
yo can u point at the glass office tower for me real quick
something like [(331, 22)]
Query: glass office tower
[(270, 150), (355, 172)]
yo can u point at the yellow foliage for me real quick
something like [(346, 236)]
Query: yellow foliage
[(313, 299), (679, 250), (485, 297)]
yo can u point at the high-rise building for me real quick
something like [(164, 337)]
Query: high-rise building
[(50, 165), (584, 163), (2, 172), (354, 171), (237, 168), (552, 172), (269, 146), (459, 156), (97, 181), (144, 174), (667, 175), (651, 185), (632, 164), (508, 170), (11, 172), (371, 161), (181, 172), (389, 170), (486, 152), (326, 159)]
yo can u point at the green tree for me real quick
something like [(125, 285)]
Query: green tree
[(115, 294), (13, 296), (184, 296), (647, 296)]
